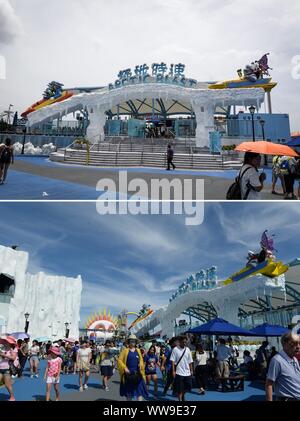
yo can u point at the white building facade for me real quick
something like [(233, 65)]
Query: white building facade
[(51, 301)]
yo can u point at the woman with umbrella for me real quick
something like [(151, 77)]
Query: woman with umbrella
[(251, 182), (6, 356), (132, 371)]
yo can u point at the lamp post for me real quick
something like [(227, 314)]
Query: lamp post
[(262, 123), (24, 139), (26, 315), (67, 329), (252, 111)]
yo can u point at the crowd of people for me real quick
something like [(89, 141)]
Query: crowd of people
[(182, 363)]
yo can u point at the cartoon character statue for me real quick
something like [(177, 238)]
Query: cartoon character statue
[(267, 251), (144, 309), (256, 70), (53, 90)]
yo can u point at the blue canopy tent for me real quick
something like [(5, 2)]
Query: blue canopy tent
[(268, 330), (220, 327), (295, 141)]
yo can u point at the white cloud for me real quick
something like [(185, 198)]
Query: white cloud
[(10, 24), (89, 42)]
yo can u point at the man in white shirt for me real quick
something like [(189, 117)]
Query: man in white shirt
[(251, 180), (182, 367)]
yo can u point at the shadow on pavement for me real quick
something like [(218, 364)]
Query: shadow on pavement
[(260, 398), (95, 385), (71, 386), (4, 397), (39, 397)]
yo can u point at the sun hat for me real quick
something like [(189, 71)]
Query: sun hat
[(54, 350), (132, 337)]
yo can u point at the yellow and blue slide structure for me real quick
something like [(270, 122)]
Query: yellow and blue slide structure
[(244, 83), (268, 268)]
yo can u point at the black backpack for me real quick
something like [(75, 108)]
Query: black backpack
[(6, 155), (234, 192)]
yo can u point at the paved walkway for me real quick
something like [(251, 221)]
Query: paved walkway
[(32, 178), (27, 389)]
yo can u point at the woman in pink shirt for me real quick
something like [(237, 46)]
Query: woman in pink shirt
[(6, 355), (52, 372)]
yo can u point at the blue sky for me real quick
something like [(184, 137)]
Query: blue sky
[(126, 261)]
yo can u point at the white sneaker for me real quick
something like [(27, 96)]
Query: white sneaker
[(106, 389), (85, 386), (81, 389), (32, 376), (37, 376)]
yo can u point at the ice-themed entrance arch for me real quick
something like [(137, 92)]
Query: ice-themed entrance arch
[(216, 300), (202, 100)]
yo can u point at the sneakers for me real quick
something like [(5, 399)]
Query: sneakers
[(37, 376), (107, 389), (85, 387), (81, 389), (32, 376)]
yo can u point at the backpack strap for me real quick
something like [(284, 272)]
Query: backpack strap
[(240, 179), (180, 358)]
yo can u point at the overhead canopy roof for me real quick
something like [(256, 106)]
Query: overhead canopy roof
[(147, 106), (278, 299)]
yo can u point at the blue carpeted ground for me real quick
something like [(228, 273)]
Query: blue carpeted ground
[(27, 389), (228, 174), (23, 186), (26, 186)]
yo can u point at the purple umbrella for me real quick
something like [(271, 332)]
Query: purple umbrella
[(20, 335)]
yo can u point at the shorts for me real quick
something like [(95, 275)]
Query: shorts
[(277, 175), (83, 366), (182, 384), (34, 358), (5, 371), (52, 380), (222, 369), (150, 373), (106, 370)]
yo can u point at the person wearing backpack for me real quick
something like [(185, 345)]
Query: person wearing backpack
[(6, 158), (297, 175), (182, 367), (252, 181), (277, 174), (290, 176), (249, 182), (288, 168)]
